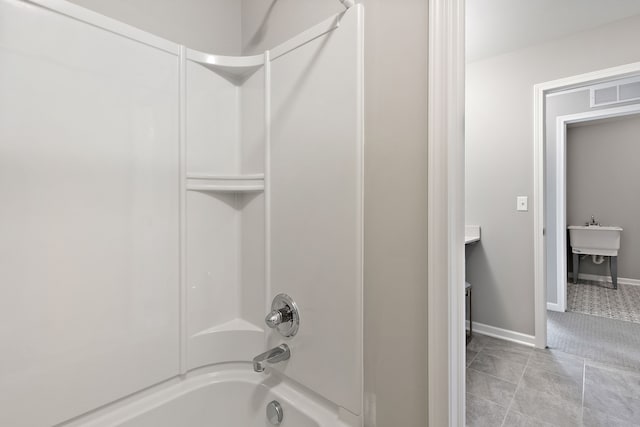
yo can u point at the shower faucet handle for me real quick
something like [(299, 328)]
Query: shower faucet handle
[(284, 316), (276, 317)]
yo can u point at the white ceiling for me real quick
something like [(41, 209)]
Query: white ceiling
[(498, 26)]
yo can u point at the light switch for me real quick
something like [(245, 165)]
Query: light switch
[(522, 203)]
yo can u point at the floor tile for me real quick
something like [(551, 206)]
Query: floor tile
[(490, 388), (483, 413), (555, 363), (623, 382), (507, 354), (494, 343), (557, 385), (593, 418), (470, 355), (516, 419), (600, 398), (604, 301), (504, 369), (546, 407), (547, 388), (475, 344), (554, 354), (606, 341), (606, 365)]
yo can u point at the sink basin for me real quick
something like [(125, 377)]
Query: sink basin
[(595, 240)]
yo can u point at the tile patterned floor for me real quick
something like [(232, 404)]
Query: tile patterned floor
[(603, 340), (512, 385), (604, 301)]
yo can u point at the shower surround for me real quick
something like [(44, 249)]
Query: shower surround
[(156, 199)]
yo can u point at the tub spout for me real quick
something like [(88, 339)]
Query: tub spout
[(275, 355)]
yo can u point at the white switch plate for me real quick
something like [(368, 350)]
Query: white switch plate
[(522, 203)]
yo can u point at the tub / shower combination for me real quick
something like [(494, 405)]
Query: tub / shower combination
[(156, 200), (230, 396)]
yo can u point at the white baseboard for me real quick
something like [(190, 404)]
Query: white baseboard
[(504, 334), (554, 307), (599, 278)]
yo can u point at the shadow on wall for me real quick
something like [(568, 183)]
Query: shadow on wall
[(267, 23), (482, 281), (259, 34)]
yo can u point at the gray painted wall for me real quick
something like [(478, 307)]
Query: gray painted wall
[(395, 191), (396, 170), (212, 26), (499, 160), (603, 179)]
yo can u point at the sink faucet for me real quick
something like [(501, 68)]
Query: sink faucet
[(593, 221), (275, 355)]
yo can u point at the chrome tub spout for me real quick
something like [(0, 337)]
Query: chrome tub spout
[(275, 355)]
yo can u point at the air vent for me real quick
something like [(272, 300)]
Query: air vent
[(615, 92), (629, 91), (605, 95)]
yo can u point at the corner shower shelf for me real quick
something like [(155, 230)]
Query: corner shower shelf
[(232, 325), (234, 66), (226, 184)]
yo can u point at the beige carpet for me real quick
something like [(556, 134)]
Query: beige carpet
[(604, 301)]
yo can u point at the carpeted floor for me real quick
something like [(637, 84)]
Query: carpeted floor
[(604, 301), (597, 338)]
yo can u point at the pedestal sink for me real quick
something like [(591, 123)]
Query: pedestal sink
[(595, 240)]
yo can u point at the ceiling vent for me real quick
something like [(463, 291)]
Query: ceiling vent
[(617, 92)]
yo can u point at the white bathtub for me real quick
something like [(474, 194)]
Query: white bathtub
[(233, 397)]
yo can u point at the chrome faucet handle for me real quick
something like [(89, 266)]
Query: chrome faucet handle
[(284, 316), (274, 318)]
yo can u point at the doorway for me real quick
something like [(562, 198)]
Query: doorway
[(589, 316), (501, 164), (550, 237)]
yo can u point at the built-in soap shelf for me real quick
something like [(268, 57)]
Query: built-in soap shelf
[(239, 67), (225, 100), (232, 325), (471, 234), (236, 339), (226, 184)]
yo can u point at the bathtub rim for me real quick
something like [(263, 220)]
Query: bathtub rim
[(128, 408)]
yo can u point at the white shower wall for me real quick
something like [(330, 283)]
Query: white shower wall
[(90, 223), (316, 229), (158, 198), (225, 227)]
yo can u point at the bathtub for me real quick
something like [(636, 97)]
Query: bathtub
[(229, 397)]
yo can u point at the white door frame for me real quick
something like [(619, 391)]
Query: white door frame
[(446, 303), (446, 312), (540, 91), (561, 188)]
